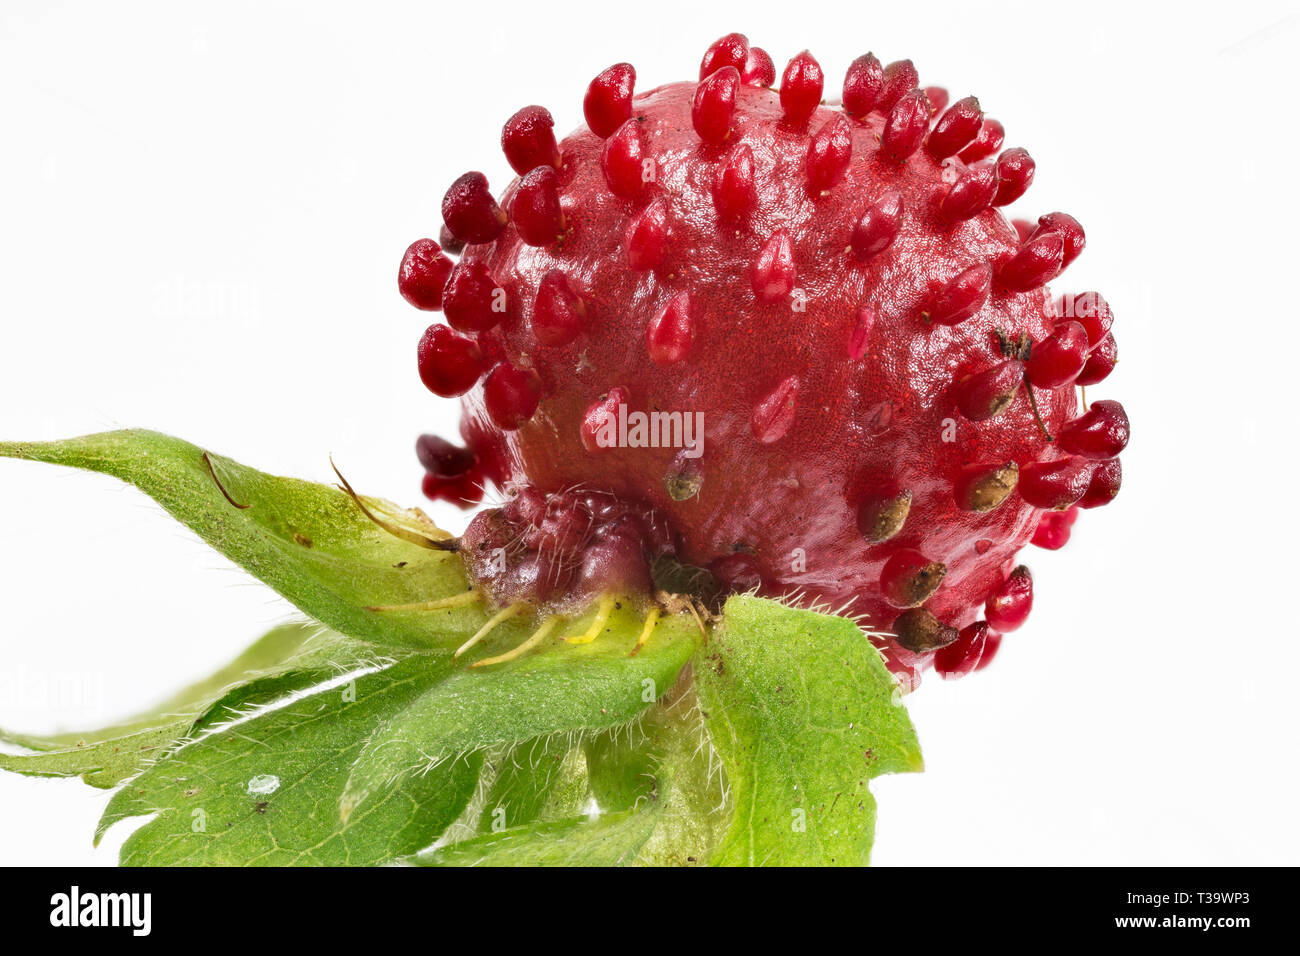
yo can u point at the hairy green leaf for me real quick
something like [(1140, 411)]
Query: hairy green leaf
[(607, 840), (525, 778), (802, 711), (563, 687), (101, 763), (663, 803), (310, 542), (265, 789)]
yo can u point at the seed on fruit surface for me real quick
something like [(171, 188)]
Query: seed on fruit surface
[(981, 488), (608, 102), (909, 578), (1099, 433), (801, 88), (1054, 484), (422, 275), (987, 394), (879, 519), (878, 226), (450, 364), (528, 140), (919, 631), (511, 395), (470, 212), (1009, 605)]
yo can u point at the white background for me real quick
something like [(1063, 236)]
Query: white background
[(202, 214)]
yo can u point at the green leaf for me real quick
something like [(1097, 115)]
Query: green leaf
[(310, 542), (102, 763), (802, 711), (565, 687), (526, 780), (290, 656), (661, 769), (265, 789), (608, 840)]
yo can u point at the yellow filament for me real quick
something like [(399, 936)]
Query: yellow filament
[(503, 615), (650, 621), (597, 625), (539, 635), (456, 600)]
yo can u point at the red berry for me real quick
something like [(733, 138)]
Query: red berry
[(462, 491), (772, 274), (473, 301), (862, 85), (715, 103), (738, 572), (608, 102), (558, 311), (450, 364), (1059, 358), (535, 208), (470, 212), (964, 654), (1099, 433), (1054, 484), (511, 395), (528, 140), (442, 458), (423, 274), (956, 129), (1009, 605), (801, 88)]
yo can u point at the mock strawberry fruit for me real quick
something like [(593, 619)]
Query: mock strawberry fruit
[(788, 339)]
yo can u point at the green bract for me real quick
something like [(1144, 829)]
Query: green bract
[(362, 739)]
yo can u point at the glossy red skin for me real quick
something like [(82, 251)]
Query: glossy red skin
[(860, 426)]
